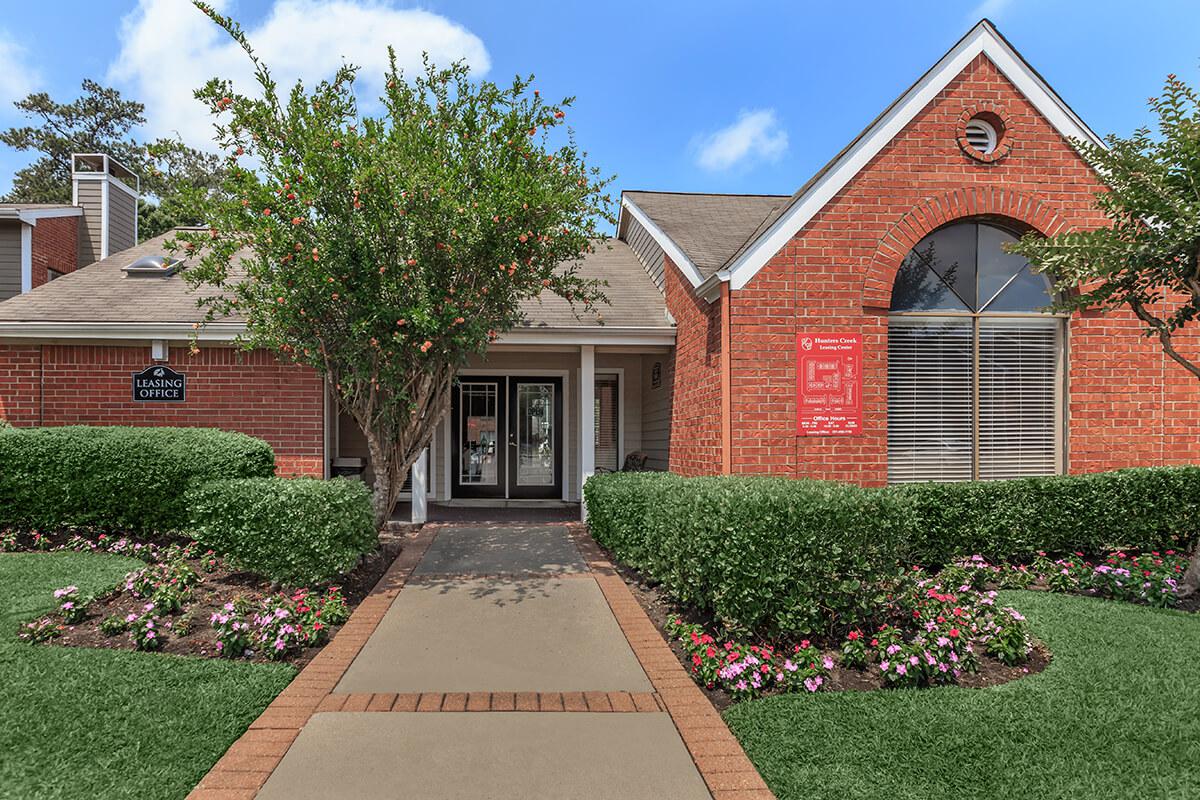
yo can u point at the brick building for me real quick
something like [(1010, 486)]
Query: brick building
[(869, 328)]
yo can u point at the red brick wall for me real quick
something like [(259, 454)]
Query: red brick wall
[(696, 378), (1128, 406), (248, 392), (55, 246)]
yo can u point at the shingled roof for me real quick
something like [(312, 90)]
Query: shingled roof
[(709, 228), (103, 292)]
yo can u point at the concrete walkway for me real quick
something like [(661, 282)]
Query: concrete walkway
[(524, 619), (492, 609)]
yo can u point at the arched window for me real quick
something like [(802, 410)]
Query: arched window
[(975, 362)]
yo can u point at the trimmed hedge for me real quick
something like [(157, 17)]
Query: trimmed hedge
[(771, 555), (796, 557), (1146, 508), (116, 478), (296, 531)]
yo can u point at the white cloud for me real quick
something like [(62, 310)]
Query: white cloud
[(17, 77), (756, 136), (169, 49), (990, 9)]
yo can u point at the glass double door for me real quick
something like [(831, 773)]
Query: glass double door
[(506, 437)]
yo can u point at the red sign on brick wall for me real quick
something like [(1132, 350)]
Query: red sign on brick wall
[(828, 384)]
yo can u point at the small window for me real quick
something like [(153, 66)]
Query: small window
[(607, 400), (982, 136), (51, 274)]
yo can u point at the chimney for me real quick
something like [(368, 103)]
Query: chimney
[(107, 191)]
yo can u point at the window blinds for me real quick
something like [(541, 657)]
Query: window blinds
[(930, 400), (606, 422), (1018, 403), (955, 415)]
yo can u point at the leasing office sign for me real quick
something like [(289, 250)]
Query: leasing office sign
[(159, 384), (828, 384)]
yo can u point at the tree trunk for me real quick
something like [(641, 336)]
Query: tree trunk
[(381, 465), (392, 453)]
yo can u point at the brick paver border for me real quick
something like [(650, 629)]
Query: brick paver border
[(249, 761), (718, 755)]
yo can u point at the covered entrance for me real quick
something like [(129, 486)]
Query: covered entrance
[(507, 437)]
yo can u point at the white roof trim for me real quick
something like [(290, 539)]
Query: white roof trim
[(217, 331), (983, 38), (594, 334), (673, 251), (30, 216), (227, 331)]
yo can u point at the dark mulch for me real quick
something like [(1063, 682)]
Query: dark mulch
[(660, 608), (191, 631)]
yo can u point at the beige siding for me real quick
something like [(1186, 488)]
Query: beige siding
[(121, 219), (10, 259), (656, 412), (630, 422), (91, 199), (644, 247)]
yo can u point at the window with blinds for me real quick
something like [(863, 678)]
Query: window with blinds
[(607, 406), (931, 403), (1018, 397), (974, 363)]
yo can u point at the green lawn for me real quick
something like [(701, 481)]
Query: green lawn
[(1116, 715), (85, 723)]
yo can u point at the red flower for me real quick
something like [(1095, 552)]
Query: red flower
[(954, 633)]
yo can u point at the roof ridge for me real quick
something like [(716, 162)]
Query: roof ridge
[(703, 194)]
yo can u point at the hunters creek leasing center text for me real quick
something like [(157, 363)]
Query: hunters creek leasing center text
[(870, 327)]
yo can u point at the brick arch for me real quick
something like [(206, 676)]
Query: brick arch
[(934, 212)]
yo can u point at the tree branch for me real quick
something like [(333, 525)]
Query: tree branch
[(1164, 335)]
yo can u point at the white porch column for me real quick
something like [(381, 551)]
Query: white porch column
[(587, 419), (420, 488)]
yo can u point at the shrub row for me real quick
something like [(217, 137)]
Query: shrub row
[(215, 485), (1149, 508), (772, 555), (799, 557), (296, 531), (117, 478)]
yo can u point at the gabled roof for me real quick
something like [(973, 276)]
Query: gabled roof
[(102, 297), (783, 221), (708, 228)]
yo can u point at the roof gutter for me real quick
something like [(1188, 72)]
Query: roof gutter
[(30, 216), (228, 331), (214, 332)]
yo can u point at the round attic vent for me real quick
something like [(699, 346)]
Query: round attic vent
[(153, 265), (984, 133), (981, 135)]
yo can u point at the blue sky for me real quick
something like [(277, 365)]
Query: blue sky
[(695, 96)]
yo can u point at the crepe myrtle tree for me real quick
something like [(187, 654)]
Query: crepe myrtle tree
[(384, 251), (1148, 257)]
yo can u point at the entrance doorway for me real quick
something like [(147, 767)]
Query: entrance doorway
[(506, 437)]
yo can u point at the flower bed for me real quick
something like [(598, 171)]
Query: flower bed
[(1151, 578), (190, 602), (927, 634)]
